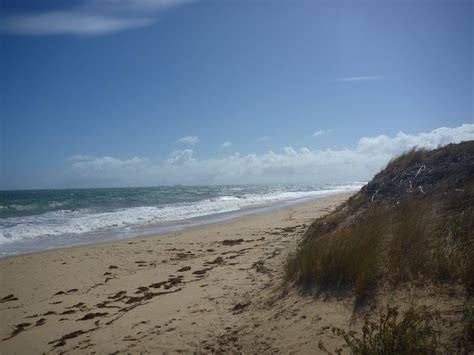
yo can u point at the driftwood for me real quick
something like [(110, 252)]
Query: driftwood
[(419, 170), (373, 196)]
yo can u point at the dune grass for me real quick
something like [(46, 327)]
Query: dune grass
[(340, 260), (414, 241), (409, 158), (404, 236)]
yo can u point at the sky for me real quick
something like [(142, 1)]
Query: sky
[(98, 93)]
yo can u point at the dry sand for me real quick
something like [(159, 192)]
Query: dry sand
[(214, 288)]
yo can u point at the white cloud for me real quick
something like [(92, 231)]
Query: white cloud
[(401, 141), (189, 140), (360, 78), (93, 17), (226, 145), (321, 132), (179, 157), (107, 163), (263, 139), (109, 172), (290, 166)]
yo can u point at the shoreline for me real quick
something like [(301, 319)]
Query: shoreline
[(173, 226), (181, 291)]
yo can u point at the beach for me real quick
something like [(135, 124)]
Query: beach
[(236, 177), (216, 288), (207, 288)]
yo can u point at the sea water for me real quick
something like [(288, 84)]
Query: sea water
[(33, 220)]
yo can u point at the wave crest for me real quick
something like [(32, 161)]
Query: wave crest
[(83, 221)]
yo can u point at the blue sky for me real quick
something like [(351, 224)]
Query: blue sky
[(98, 93)]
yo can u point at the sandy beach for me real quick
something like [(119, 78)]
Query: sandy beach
[(202, 289)]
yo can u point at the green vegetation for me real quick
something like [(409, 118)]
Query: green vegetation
[(413, 334), (347, 258), (417, 331)]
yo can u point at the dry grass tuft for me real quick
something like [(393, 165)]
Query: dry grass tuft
[(414, 333)]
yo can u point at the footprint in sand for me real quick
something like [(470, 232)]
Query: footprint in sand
[(72, 290), (232, 241), (142, 289), (9, 298), (217, 260), (70, 311), (18, 329), (118, 294), (93, 315), (200, 272), (40, 321)]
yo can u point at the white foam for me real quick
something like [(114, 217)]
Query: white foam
[(79, 222)]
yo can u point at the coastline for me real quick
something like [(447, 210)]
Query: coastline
[(56, 243), (179, 291)]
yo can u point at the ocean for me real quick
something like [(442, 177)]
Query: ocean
[(34, 220)]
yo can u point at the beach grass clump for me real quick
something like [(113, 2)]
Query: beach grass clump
[(339, 260), (407, 159), (413, 333), (430, 243)]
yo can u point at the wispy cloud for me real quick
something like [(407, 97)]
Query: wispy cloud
[(321, 132), (92, 18), (226, 145), (360, 78), (189, 140), (62, 22), (263, 139)]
